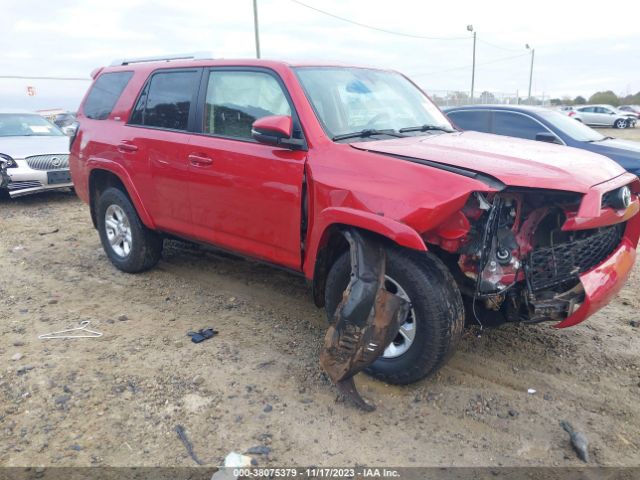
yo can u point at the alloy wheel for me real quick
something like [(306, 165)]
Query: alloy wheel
[(407, 333), (118, 230)]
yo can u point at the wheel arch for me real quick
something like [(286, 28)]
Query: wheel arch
[(102, 177), (328, 243)]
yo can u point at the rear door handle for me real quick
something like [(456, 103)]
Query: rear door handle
[(200, 160), (127, 147)]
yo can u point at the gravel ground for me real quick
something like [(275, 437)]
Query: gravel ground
[(116, 400), (627, 133)]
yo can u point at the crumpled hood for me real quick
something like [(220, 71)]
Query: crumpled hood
[(26, 146), (515, 162)]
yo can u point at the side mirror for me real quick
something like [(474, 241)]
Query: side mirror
[(547, 137), (275, 130), (70, 130)]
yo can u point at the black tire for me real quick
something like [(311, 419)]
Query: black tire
[(146, 245), (436, 301)]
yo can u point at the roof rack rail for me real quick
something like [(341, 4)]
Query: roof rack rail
[(163, 58)]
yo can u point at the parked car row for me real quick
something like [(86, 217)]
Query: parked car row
[(46, 166), (406, 225)]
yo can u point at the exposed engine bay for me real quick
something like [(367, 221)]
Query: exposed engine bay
[(513, 259)]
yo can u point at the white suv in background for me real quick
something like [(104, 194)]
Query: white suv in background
[(36, 153), (603, 116)]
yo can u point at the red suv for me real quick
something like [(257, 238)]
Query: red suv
[(276, 161)]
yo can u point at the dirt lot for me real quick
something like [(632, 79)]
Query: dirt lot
[(627, 133), (116, 400)]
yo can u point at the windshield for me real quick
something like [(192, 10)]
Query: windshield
[(572, 127), (350, 100), (27, 125)]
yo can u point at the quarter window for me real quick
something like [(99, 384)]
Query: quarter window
[(236, 99), (166, 101), (104, 94)]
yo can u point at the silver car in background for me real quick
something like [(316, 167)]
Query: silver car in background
[(36, 153), (603, 116)]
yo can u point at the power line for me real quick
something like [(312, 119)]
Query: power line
[(24, 77), (353, 22), (469, 66), (498, 46)]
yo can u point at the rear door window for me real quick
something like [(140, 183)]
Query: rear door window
[(166, 100), (478, 121), (516, 125), (104, 94)]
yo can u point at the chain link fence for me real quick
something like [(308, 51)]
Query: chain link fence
[(455, 98)]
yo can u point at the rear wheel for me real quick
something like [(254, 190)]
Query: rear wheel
[(620, 123), (130, 245), (434, 325)]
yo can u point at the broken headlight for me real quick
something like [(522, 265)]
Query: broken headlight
[(7, 161)]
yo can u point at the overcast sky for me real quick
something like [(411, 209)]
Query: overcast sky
[(579, 48)]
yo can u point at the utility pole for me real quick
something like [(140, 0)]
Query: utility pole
[(473, 68), (255, 27), (533, 52)]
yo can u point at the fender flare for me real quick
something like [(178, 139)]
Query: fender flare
[(395, 231), (119, 171)]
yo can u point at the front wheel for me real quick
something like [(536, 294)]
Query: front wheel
[(434, 325), (620, 123), (130, 245)]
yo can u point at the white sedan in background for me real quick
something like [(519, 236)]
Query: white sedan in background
[(36, 153), (603, 116)]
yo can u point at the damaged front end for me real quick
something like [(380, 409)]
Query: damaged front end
[(518, 255), (521, 254)]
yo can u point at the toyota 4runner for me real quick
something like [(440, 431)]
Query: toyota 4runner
[(286, 162)]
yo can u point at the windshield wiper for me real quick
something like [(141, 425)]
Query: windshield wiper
[(367, 132), (425, 128), (601, 139)]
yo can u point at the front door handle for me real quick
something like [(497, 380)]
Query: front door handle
[(127, 147), (200, 160)]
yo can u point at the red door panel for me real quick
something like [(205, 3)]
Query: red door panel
[(163, 154), (248, 198)]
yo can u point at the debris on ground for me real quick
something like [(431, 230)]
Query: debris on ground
[(259, 450), (202, 334), (233, 461), (182, 435), (578, 441), (75, 332)]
